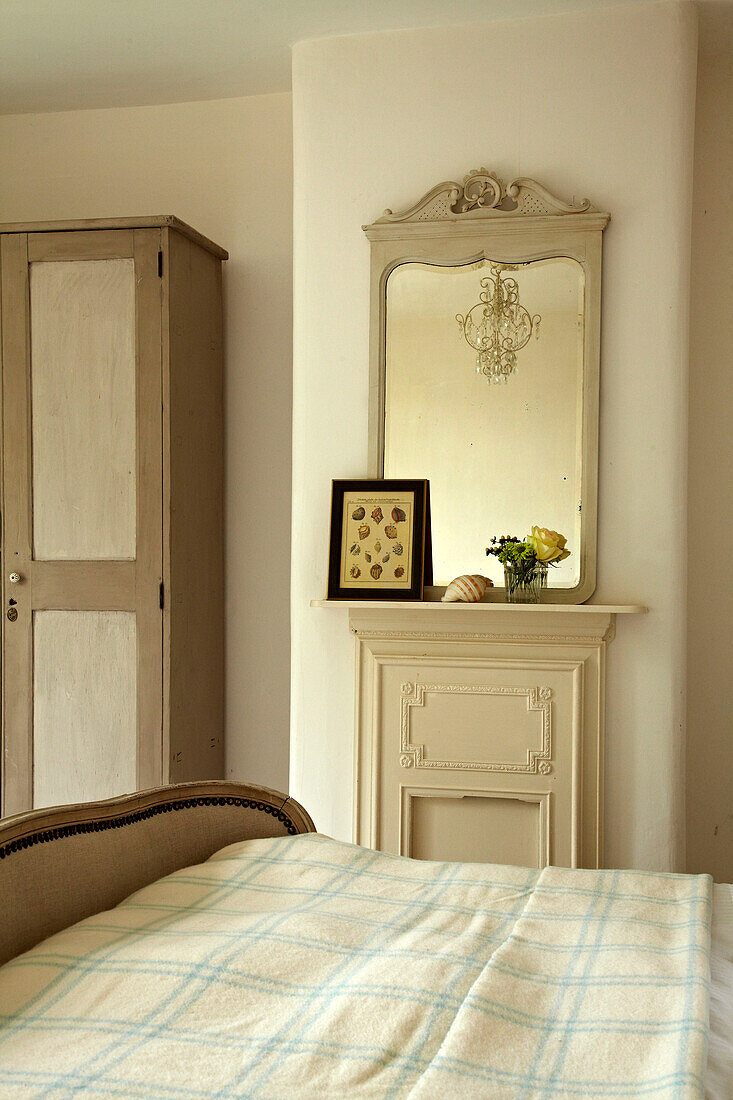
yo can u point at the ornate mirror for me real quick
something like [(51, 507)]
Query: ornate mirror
[(485, 340)]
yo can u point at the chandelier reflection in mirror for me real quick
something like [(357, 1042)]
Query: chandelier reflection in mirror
[(498, 326)]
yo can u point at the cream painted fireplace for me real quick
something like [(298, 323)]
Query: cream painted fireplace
[(480, 729)]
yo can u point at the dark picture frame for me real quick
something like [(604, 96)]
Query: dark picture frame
[(378, 541)]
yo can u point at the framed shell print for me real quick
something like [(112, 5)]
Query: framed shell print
[(378, 540)]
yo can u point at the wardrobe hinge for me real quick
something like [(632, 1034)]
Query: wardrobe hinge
[(162, 595), (160, 265)]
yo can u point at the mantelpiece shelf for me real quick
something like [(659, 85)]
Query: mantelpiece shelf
[(484, 607)]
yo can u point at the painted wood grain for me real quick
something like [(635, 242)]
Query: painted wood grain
[(83, 409), (103, 245), (194, 510), (17, 655), (84, 705), (168, 334), (155, 221), (149, 517)]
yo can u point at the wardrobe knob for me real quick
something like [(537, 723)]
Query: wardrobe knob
[(15, 578)]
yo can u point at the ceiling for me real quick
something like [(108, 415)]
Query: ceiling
[(58, 55)]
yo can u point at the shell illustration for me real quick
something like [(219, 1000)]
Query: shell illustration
[(358, 513), (367, 555), (398, 514), (468, 588), (377, 515), (397, 548), (364, 531), (377, 546), (385, 559), (355, 571), (376, 571), (355, 548), (390, 531), (399, 572)]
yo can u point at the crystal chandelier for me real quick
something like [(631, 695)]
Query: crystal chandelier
[(497, 327)]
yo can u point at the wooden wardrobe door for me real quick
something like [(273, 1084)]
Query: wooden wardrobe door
[(82, 515)]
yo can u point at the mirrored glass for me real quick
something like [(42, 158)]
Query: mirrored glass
[(485, 398)]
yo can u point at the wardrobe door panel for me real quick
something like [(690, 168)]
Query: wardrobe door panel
[(84, 715), (82, 319)]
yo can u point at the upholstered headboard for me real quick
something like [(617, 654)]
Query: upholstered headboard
[(64, 863)]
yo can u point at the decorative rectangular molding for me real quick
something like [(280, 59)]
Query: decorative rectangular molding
[(538, 699), (550, 659), (379, 751)]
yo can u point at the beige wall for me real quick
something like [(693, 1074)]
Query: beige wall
[(710, 508), (379, 119), (225, 167)]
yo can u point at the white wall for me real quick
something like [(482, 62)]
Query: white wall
[(225, 167), (598, 105), (710, 510)]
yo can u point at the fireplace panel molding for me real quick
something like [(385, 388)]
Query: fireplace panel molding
[(537, 699), (480, 730)]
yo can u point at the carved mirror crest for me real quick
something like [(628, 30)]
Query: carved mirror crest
[(485, 347)]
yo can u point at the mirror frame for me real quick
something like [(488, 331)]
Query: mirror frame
[(481, 219)]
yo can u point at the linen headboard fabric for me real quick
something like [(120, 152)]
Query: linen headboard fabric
[(64, 863)]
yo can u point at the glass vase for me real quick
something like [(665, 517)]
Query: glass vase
[(524, 586)]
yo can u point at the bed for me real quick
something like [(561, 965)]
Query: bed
[(205, 941)]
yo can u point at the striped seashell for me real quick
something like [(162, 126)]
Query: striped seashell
[(467, 589)]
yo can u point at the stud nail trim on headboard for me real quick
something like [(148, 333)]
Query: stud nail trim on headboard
[(43, 836)]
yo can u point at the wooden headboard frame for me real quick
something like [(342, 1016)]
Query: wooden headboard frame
[(64, 863)]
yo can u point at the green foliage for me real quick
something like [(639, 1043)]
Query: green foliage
[(515, 552), (522, 567)]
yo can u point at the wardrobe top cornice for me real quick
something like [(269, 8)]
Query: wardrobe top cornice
[(154, 221)]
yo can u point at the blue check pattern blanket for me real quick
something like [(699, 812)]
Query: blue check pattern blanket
[(304, 967)]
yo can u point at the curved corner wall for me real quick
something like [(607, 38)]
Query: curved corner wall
[(600, 102)]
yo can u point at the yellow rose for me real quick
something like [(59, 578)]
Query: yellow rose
[(549, 546)]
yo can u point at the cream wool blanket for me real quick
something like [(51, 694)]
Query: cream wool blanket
[(303, 967)]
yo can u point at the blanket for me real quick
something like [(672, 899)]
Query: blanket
[(304, 967)]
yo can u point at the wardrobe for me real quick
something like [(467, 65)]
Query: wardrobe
[(112, 508)]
